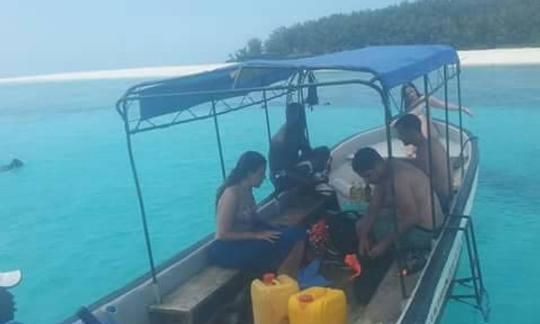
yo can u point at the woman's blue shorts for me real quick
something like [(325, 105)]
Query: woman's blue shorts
[(256, 255)]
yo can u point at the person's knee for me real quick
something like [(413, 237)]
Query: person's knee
[(294, 234)]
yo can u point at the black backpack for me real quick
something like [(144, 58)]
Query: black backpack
[(342, 230)]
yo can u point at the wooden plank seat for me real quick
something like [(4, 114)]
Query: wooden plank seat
[(195, 301)]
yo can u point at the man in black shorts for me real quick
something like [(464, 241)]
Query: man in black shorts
[(292, 161)]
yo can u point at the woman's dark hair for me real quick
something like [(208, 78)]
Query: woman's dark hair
[(407, 104), (248, 163)]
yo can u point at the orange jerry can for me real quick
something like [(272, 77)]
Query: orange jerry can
[(318, 306), (270, 297)]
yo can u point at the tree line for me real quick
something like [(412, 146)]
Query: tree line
[(464, 24)]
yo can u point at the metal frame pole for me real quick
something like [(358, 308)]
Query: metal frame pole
[(388, 122), (265, 105), (447, 122), (142, 209), (300, 94), (462, 162), (300, 89), (218, 137), (430, 155)]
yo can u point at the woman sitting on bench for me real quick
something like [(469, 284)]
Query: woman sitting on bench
[(243, 243)]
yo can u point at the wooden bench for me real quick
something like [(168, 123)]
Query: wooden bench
[(195, 301)]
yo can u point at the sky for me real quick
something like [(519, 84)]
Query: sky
[(56, 36)]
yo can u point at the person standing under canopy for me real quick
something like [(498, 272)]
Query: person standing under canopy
[(413, 103)]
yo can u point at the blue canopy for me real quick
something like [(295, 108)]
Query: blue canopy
[(390, 66)]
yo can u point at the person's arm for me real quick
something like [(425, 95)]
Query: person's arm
[(365, 224), (406, 217), (438, 103), (305, 148), (226, 209)]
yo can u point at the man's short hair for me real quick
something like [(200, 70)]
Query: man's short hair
[(409, 122), (365, 159)]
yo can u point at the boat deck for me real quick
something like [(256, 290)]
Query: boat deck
[(385, 306)]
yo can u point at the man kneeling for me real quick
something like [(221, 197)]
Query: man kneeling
[(413, 205)]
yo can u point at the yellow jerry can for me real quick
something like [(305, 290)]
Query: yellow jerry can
[(270, 298), (318, 306)]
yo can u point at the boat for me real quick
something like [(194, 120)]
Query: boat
[(188, 289)]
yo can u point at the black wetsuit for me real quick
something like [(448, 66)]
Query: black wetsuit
[(288, 149)]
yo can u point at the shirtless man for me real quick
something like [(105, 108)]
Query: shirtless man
[(409, 132), (414, 220)]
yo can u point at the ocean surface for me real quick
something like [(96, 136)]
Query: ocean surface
[(69, 217)]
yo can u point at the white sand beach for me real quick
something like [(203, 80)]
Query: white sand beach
[(506, 56), (489, 57), (147, 72)]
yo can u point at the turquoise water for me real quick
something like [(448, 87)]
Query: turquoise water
[(69, 217)]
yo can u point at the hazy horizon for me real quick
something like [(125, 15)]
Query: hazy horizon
[(61, 36)]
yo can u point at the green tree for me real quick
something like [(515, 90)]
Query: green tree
[(461, 23)]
